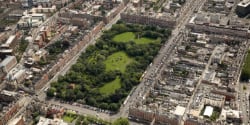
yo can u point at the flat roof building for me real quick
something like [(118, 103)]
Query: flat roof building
[(46, 121), (10, 43), (208, 111), (8, 63), (180, 110), (243, 8)]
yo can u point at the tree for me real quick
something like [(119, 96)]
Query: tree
[(121, 121), (79, 95), (244, 76), (244, 87), (23, 45), (78, 67), (91, 101), (108, 76), (95, 68), (51, 91), (104, 105), (70, 96), (114, 107)]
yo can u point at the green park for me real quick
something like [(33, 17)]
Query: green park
[(106, 72)]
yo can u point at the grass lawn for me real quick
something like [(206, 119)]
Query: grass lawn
[(130, 36), (110, 87), (124, 37), (68, 119), (145, 40), (117, 61)]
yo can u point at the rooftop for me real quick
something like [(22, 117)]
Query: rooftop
[(9, 41), (180, 110), (7, 60), (208, 111), (244, 3), (46, 121)]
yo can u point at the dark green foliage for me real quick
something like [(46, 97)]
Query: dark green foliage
[(23, 45), (245, 73), (58, 47)]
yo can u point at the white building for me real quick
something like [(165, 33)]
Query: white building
[(208, 111), (46, 121), (31, 20), (8, 63)]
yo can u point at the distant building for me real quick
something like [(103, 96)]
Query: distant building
[(137, 3), (7, 98), (231, 116), (46, 121), (31, 20), (146, 20), (8, 63), (19, 76), (27, 3), (166, 119), (243, 8), (80, 22), (43, 3), (15, 14), (17, 121), (208, 23), (41, 9), (39, 54), (39, 40), (10, 43), (195, 121), (60, 3), (6, 52)]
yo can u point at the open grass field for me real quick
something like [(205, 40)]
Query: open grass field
[(109, 88), (145, 40), (117, 61), (124, 37), (130, 36)]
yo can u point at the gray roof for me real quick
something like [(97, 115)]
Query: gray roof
[(7, 60)]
